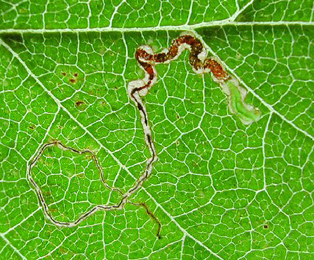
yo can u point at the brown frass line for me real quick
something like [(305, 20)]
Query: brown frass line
[(147, 60)]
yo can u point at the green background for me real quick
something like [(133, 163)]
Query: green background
[(221, 189)]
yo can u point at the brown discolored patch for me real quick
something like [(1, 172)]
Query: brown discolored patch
[(160, 57), (64, 74), (73, 81), (147, 60), (265, 226), (32, 127), (53, 210), (90, 157), (47, 193), (62, 250), (75, 74), (79, 103), (81, 175)]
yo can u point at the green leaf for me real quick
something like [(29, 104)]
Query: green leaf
[(234, 176)]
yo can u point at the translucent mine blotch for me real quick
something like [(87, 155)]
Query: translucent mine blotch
[(236, 97)]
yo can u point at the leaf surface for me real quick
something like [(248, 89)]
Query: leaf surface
[(221, 189)]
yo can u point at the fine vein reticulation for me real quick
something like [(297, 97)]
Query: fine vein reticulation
[(201, 64), (147, 60), (124, 199)]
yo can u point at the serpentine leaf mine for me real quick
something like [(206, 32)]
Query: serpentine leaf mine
[(147, 60)]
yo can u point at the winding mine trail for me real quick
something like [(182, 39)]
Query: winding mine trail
[(147, 60)]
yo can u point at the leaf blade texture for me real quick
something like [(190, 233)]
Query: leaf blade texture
[(221, 189)]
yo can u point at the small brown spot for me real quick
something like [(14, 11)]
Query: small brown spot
[(89, 157), (32, 127), (55, 142), (62, 250), (73, 81), (75, 74), (53, 210), (265, 226), (79, 103), (64, 74), (47, 193)]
